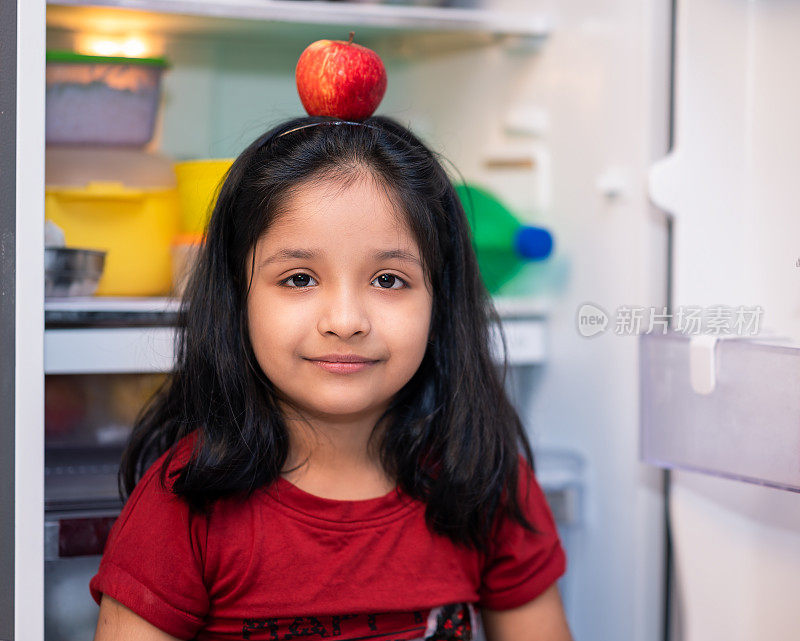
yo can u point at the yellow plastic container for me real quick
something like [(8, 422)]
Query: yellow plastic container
[(134, 225), (185, 251), (198, 185)]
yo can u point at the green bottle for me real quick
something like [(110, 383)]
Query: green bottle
[(502, 243)]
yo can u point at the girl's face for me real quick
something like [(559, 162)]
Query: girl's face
[(339, 273)]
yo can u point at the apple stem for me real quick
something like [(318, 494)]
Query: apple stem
[(352, 35)]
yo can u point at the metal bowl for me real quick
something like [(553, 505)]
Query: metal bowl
[(72, 272)]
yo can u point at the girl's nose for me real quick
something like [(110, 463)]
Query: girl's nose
[(343, 313)]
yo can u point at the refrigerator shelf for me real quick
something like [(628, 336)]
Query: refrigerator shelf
[(123, 350), (243, 17), (85, 336), (118, 350), (87, 311), (109, 311), (729, 408), (82, 502), (561, 475)]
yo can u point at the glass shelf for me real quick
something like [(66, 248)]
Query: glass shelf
[(108, 311), (730, 409), (258, 18), (127, 335), (59, 309), (150, 349), (116, 350)]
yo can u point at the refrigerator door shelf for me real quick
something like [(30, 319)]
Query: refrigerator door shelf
[(728, 408)]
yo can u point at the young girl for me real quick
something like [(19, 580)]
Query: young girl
[(334, 454)]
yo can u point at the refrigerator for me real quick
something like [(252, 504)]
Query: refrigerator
[(655, 353)]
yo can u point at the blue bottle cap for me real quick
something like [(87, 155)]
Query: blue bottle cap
[(533, 243)]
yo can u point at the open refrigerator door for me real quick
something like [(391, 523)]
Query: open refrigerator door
[(723, 399)]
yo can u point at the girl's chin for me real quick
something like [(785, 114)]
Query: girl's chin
[(341, 406)]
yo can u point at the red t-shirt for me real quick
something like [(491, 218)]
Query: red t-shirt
[(287, 564)]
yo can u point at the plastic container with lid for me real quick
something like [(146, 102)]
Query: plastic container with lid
[(101, 100), (123, 201)]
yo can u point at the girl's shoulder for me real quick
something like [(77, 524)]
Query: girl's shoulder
[(527, 486), (155, 553), (532, 499), (154, 496), (522, 563), (183, 449)]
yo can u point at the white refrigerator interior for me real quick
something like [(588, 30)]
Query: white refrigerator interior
[(584, 97), (577, 95), (731, 182), (587, 103)]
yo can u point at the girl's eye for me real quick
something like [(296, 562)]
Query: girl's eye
[(301, 278), (385, 281)]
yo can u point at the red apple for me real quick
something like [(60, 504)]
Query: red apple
[(340, 79)]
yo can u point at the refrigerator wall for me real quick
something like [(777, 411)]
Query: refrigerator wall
[(22, 587), (731, 182)]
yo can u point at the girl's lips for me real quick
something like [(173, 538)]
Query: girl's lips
[(343, 368)]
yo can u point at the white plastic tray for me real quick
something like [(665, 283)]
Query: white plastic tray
[(731, 409)]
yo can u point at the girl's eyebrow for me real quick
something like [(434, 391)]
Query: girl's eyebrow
[(289, 254), (309, 254)]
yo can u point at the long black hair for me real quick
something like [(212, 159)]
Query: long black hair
[(452, 439)]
